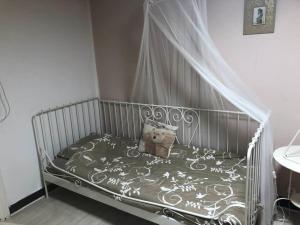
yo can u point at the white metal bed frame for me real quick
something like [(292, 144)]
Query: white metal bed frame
[(230, 131)]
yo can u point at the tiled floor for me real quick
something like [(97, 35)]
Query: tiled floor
[(2, 223), (67, 208)]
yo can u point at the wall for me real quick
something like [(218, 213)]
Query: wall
[(268, 63), (117, 27), (46, 59)]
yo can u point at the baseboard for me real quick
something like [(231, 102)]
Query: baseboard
[(29, 199)]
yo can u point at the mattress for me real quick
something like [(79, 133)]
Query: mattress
[(199, 182)]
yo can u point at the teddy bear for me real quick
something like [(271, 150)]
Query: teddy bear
[(158, 142), (149, 145)]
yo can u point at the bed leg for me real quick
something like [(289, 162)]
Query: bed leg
[(46, 192), (46, 189)]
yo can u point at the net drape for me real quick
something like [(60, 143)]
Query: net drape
[(180, 65)]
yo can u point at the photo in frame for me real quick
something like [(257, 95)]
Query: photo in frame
[(259, 16)]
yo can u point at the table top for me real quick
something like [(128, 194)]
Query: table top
[(290, 159)]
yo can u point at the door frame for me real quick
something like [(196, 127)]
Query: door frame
[(4, 210)]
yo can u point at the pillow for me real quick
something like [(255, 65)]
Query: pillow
[(157, 138)]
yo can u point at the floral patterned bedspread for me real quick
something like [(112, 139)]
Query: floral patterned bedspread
[(199, 182)]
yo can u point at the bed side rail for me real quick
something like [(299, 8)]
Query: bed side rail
[(253, 198), (59, 127), (229, 131)]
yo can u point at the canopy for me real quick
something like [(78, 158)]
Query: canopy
[(180, 65)]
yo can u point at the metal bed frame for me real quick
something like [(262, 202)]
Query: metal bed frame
[(228, 131)]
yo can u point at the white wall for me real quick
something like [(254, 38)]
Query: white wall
[(46, 59), (268, 63)]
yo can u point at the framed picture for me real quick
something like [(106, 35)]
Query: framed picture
[(259, 16)]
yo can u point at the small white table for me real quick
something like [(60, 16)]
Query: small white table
[(289, 157)]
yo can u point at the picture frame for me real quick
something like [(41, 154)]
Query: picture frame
[(259, 16)]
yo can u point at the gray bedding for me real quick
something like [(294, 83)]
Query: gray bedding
[(192, 181)]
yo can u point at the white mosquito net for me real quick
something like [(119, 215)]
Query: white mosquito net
[(180, 65)]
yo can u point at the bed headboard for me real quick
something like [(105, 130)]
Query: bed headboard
[(59, 127)]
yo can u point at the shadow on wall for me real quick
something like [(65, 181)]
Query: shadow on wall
[(117, 38), (283, 175)]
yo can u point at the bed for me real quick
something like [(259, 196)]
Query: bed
[(91, 147)]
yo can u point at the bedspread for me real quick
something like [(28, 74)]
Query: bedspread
[(197, 181)]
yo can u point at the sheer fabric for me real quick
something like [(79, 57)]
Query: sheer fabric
[(180, 65)]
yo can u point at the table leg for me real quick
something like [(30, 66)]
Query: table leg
[(290, 185)]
